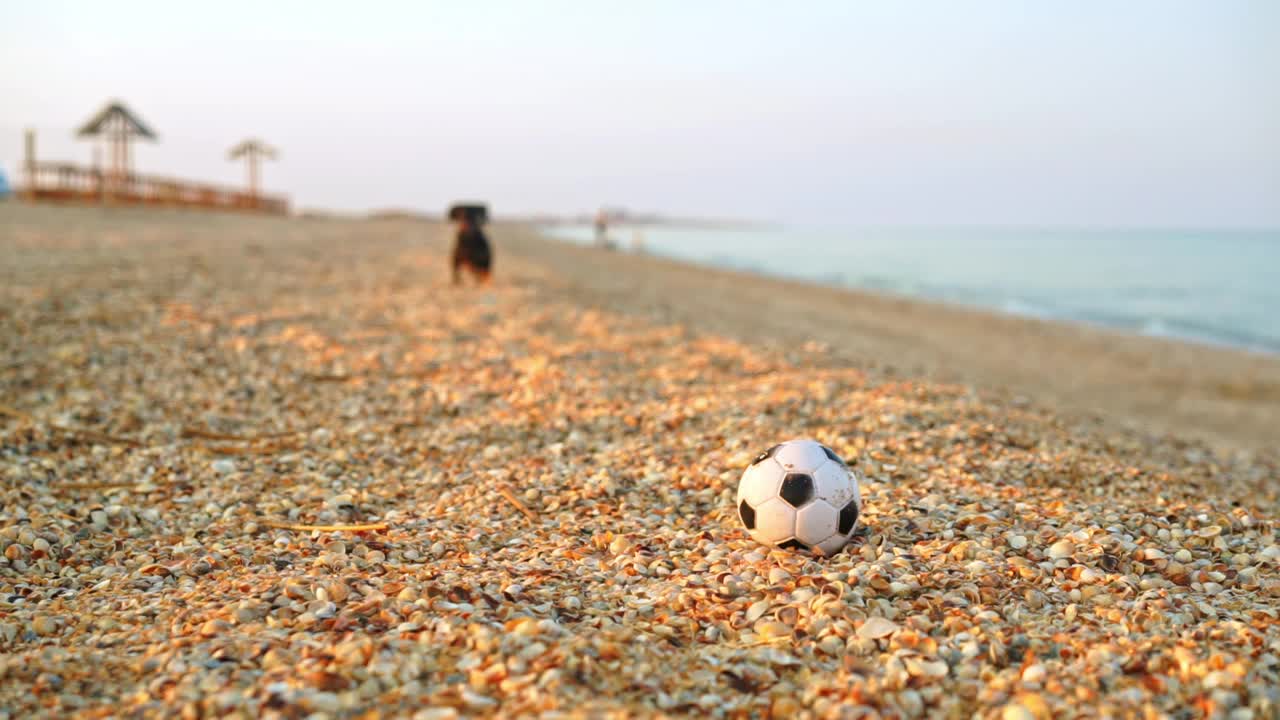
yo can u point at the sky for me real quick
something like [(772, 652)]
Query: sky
[(1151, 113)]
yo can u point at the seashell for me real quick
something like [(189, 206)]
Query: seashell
[(1061, 549), (757, 610), (832, 645), (788, 615), (877, 627), (931, 669), (771, 629)]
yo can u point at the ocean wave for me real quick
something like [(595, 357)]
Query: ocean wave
[(1017, 306), (1182, 329)]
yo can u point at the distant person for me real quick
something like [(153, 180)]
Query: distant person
[(4, 186), (471, 248), (602, 228)]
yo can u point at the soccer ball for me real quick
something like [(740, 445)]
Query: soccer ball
[(800, 495)]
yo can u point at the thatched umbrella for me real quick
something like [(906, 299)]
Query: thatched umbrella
[(118, 125), (254, 152)]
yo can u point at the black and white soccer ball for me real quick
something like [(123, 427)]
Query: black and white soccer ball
[(800, 495)]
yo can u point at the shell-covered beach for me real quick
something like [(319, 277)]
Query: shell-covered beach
[(525, 498)]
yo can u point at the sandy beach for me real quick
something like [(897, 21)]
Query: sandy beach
[(1226, 397), (260, 466)]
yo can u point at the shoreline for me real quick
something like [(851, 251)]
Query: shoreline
[(1226, 396), (1214, 338)]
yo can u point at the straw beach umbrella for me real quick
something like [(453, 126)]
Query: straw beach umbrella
[(118, 126), (253, 152)]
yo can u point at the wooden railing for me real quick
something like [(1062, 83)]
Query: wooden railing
[(62, 182)]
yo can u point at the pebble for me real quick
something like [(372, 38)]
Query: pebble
[(444, 713), (224, 466), (476, 701), (213, 628), (1016, 711), (1033, 674)]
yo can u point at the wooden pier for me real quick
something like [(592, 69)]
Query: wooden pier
[(68, 183), (117, 127)]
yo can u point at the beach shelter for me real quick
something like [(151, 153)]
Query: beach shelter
[(253, 152), (118, 126)]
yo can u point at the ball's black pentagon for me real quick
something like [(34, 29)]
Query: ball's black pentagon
[(831, 454), (792, 544), (765, 455), (748, 515), (848, 517), (797, 489)]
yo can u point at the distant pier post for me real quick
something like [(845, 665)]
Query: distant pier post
[(29, 162)]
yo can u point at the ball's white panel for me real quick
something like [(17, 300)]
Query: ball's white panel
[(816, 522), (831, 545), (800, 455), (833, 483), (857, 486), (775, 521), (760, 482)]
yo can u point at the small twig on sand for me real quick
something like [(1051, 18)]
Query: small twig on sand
[(325, 528), (510, 495), (83, 433), (192, 432), (86, 434), (314, 377), (96, 485)]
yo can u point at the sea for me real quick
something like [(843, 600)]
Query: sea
[(1218, 287)]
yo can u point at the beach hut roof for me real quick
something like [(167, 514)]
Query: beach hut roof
[(251, 146), (116, 110)]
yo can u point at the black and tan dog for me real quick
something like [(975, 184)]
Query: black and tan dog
[(471, 248)]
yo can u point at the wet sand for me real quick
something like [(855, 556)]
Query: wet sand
[(1226, 397), (281, 468)]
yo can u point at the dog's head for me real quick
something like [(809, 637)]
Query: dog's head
[(469, 214)]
